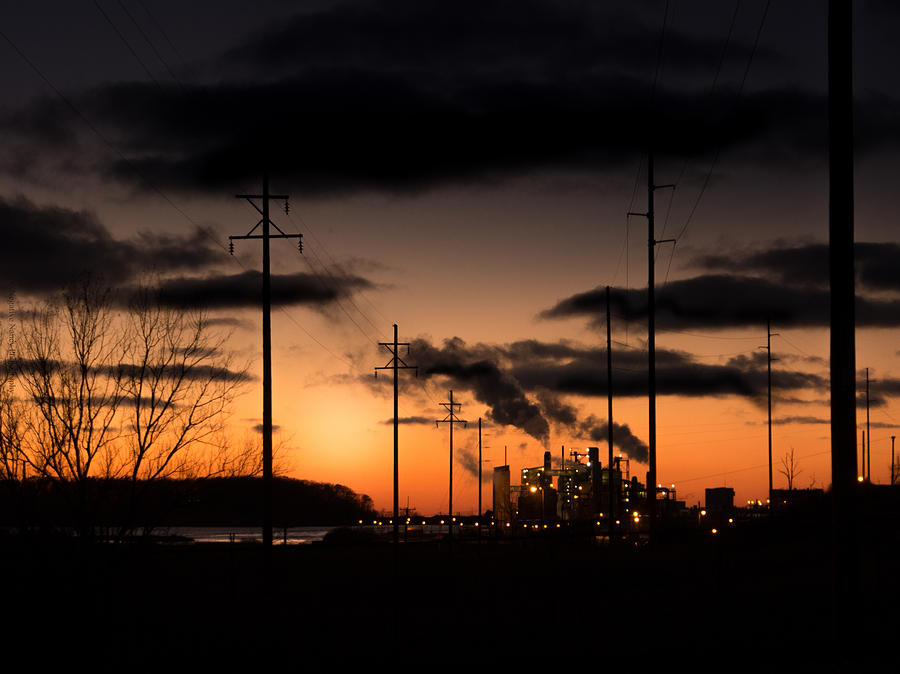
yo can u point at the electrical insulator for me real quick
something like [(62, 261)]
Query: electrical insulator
[(287, 206), (300, 245), (231, 247)]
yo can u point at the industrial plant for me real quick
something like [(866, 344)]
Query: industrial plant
[(580, 490)]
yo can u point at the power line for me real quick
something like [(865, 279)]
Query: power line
[(149, 42), (741, 470), (336, 289), (150, 186), (709, 96), (127, 44), (163, 33), (737, 100), (305, 224)]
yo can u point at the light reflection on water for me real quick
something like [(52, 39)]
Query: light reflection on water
[(293, 535)]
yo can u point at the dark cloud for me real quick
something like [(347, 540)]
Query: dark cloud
[(365, 96), (194, 373), (48, 247), (259, 428), (677, 373), (719, 301), (630, 445), (483, 37), (800, 420), (230, 322), (469, 368), (408, 421), (25, 366), (245, 289), (467, 459), (556, 410), (806, 264), (505, 376)]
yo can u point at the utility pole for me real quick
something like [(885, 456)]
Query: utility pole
[(610, 519), (843, 324), (868, 434), (451, 419), (862, 453), (769, 359), (479, 476), (264, 236), (396, 364), (651, 336), (893, 461)]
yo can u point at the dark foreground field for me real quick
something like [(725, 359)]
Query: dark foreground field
[(746, 601)]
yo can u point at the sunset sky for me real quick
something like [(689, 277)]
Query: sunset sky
[(464, 169)]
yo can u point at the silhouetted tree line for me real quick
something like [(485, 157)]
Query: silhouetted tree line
[(43, 505), (105, 391)]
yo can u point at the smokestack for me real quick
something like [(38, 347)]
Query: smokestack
[(594, 458), (547, 460), (502, 506)]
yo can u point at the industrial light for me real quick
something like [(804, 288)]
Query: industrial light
[(715, 531), (533, 489), (702, 512)]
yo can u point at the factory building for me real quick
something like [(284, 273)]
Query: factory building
[(581, 490)]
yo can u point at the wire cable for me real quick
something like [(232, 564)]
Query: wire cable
[(738, 97), (150, 186)]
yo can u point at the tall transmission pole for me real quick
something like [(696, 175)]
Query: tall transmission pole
[(862, 456), (893, 460), (769, 359), (479, 476), (651, 336), (451, 419), (264, 236), (396, 364), (843, 321), (868, 434), (610, 519)]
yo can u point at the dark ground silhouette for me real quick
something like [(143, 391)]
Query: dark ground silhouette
[(755, 599)]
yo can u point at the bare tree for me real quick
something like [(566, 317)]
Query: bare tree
[(790, 469), (12, 463), (138, 395), (177, 380), (227, 458), (70, 349)]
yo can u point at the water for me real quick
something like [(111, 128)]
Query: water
[(295, 535)]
